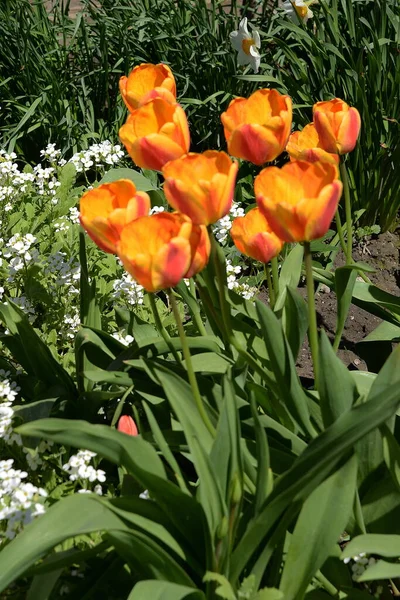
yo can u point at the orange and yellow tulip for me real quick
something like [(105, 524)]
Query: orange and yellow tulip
[(338, 125), (257, 128), (156, 133), (161, 249), (299, 200), (201, 185), (305, 145), (105, 210), (252, 235), (146, 82)]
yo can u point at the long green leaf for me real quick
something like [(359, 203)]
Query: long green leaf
[(164, 590)]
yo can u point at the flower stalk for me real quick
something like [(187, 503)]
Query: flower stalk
[(312, 316), (347, 206), (189, 365)]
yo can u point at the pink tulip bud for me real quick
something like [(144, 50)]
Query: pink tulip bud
[(127, 425)]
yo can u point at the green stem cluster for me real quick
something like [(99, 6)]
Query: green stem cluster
[(312, 316)]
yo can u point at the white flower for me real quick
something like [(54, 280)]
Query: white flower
[(298, 10), (246, 44)]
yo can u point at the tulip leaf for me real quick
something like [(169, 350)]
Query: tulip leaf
[(283, 367), (164, 590), (337, 388), (380, 570), (142, 183), (290, 274), (322, 519), (345, 278), (295, 320)]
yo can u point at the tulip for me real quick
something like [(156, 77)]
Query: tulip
[(201, 185), (127, 425), (299, 200), (146, 82), (305, 145), (156, 133), (338, 125), (161, 249), (257, 128), (252, 235), (105, 210)]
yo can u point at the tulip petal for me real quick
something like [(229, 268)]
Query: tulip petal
[(349, 131), (254, 143), (317, 214), (171, 263)]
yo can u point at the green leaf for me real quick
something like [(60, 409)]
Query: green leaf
[(322, 519), (373, 543), (283, 367), (164, 590), (337, 388), (290, 274), (33, 354), (72, 516), (313, 466), (142, 183), (136, 455), (345, 278), (269, 594), (381, 570), (264, 472), (209, 362), (295, 320), (224, 589), (391, 454), (43, 585)]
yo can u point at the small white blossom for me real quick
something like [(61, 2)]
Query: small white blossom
[(125, 339), (247, 45), (128, 290), (79, 469), (50, 153)]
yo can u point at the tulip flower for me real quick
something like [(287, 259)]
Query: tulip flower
[(252, 235), (156, 133), (161, 249), (105, 210), (338, 125), (257, 128), (201, 185), (146, 82), (299, 200), (246, 44), (127, 425), (305, 145)]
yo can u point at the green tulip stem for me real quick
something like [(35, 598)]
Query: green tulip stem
[(312, 315), (275, 276), (347, 207), (271, 292), (340, 232), (161, 329), (189, 365)]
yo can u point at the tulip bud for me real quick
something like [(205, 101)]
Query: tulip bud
[(299, 200), (127, 425), (305, 145), (252, 235), (105, 210), (160, 250), (257, 128), (146, 82), (156, 133), (338, 125), (201, 185)]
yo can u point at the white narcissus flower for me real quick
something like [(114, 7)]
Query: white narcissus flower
[(246, 44), (298, 9)]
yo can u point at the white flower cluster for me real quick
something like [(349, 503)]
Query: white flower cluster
[(361, 564), (50, 153), (71, 324), (26, 306), (128, 290), (79, 468), (97, 155), (248, 292), (65, 222), (19, 502), (123, 338), (19, 250), (223, 226), (8, 393), (156, 209), (46, 181), (66, 272)]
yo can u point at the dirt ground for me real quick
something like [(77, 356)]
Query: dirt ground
[(382, 253)]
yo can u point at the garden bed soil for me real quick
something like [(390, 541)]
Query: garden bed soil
[(381, 252)]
